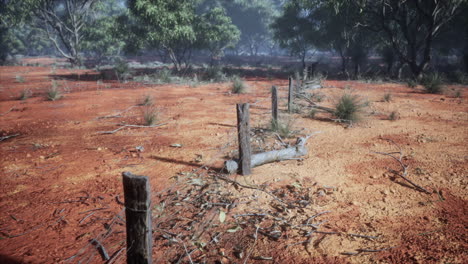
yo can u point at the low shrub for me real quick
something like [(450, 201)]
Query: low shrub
[(394, 115), (20, 79), (54, 93), (387, 97), (25, 94), (312, 113), (349, 107), (122, 70), (215, 74), (146, 100), (411, 83), (238, 85), (433, 83), (283, 128), (150, 115)]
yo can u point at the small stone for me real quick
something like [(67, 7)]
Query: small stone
[(99, 149), (41, 157), (28, 155), (373, 177), (355, 203)]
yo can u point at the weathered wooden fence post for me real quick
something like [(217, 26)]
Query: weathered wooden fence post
[(290, 95), (274, 104), (243, 130), (137, 195)]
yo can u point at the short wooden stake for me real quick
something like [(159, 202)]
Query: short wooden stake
[(290, 95), (243, 130), (137, 195), (274, 104)]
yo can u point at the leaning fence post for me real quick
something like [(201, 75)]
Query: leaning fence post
[(137, 195), (274, 104), (243, 130), (290, 95)]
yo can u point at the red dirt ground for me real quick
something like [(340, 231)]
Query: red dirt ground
[(60, 167)]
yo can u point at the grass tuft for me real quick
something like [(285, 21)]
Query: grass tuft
[(146, 100), (387, 97), (284, 129), (20, 79), (433, 83), (150, 115), (312, 113), (349, 107), (238, 85), (411, 83), (54, 93), (25, 94), (394, 115)]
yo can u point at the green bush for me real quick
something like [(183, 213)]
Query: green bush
[(215, 74), (122, 70), (164, 75), (238, 86), (411, 83), (461, 77), (433, 83), (348, 107)]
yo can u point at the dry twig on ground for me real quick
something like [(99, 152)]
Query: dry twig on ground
[(404, 167), (124, 126), (8, 136), (11, 109)]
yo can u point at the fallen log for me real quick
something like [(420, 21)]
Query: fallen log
[(258, 159)]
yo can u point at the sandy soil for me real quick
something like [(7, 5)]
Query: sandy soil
[(60, 167)]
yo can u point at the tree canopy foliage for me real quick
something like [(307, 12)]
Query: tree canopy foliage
[(407, 28), (402, 32)]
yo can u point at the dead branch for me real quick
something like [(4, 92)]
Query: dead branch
[(8, 136), (253, 246), (124, 126), (363, 236), (97, 209), (359, 251), (11, 109), (188, 254), (271, 156), (101, 249), (86, 217), (252, 188), (115, 256), (315, 105), (404, 174), (118, 114), (34, 228), (315, 216)]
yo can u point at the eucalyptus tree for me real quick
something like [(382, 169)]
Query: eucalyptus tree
[(178, 29), (409, 26)]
